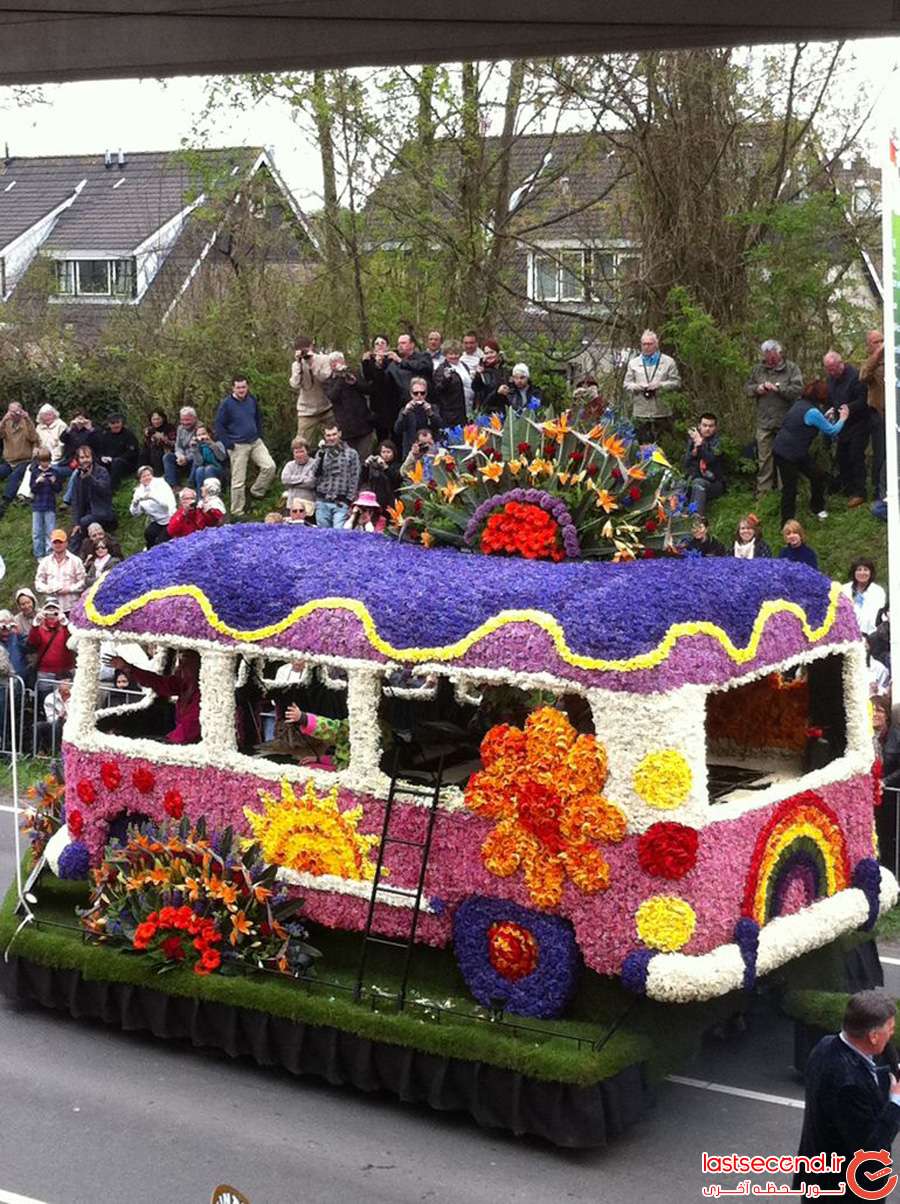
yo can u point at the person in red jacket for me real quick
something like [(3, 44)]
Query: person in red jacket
[(49, 638), (182, 684), (187, 518)]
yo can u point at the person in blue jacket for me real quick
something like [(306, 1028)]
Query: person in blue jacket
[(801, 424), (795, 546), (239, 429)]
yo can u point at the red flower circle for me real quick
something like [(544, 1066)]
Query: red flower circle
[(650, 525), (634, 493), (522, 529), (86, 792), (512, 950), (75, 822), (143, 780), (174, 804), (668, 850), (110, 775)]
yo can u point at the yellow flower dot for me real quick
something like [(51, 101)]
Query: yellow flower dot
[(665, 922), (663, 779)]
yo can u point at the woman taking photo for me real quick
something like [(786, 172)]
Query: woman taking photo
[(159, 438), (867, 596)]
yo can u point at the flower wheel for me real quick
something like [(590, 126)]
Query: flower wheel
[(514, 958)]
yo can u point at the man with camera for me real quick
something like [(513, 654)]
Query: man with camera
[(91, 497), (704, 463), (309, 372), (188, 518), (337, 471), (403, 365), (49, 639), (648, 378), (423, 451), (776, 384), (208, 457), (348, 395), (415, 415)]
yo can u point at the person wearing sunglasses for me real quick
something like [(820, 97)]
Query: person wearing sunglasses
[(418, 414)]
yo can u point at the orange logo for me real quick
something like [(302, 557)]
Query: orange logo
[(855, 1166)]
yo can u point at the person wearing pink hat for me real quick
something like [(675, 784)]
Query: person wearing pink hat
[(365, 514)]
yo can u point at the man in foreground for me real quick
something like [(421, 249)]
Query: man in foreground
[(852, 1102)]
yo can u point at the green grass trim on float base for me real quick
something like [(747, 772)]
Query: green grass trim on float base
[(659, 1036)]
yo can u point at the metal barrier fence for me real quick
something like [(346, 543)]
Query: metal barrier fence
[(12, 695)]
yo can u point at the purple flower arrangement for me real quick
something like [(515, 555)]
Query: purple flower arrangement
[(746, 936), (867, 878), (547, 989)]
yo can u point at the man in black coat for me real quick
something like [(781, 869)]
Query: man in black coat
[(402, 365), (845, 388), (91, 498), (852, 1102), (119, 450)]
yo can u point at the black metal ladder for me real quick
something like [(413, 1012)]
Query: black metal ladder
[(430, 789)]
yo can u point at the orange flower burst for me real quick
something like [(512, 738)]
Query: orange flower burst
[(475, 436), (395, 512), (636, 473), (492, 471), (496, 423), (240, 926), (451, 490), (427, 539), (542, 784), (614, 446), (607, 500), (514, 466), (557, 429), (417, 473)]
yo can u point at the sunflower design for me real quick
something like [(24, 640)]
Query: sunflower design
[(311, 834), (542, 784)]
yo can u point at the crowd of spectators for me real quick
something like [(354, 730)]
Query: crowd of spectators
[(361, 430)]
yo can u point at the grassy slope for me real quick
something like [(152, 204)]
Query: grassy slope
[(542, 1054)]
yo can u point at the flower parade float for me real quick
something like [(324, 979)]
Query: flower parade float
[(651, 783)]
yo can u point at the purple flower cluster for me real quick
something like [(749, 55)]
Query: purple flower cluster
[(634, 970), (74, 861), (605, 610), (867, 878), (547, 989), (746, 936), (554, 506)]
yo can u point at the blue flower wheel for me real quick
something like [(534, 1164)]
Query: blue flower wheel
[(514, 958)]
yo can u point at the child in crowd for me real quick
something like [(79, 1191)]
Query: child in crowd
[(273, 519), (211, 502), (44, 483), (795, 546)]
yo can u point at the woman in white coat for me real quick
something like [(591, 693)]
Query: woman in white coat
[(867, 596)]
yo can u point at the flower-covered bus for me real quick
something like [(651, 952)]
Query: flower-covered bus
[(664, 767)]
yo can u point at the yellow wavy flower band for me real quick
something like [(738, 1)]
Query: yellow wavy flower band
[(448, 652)]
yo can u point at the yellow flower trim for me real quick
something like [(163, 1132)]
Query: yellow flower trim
[(663, 779), (311, 834), (449, 652), (665, 922)]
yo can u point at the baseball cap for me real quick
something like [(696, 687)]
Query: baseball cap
[(58, 533)]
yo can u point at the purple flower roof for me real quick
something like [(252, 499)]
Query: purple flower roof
[(255, 575)]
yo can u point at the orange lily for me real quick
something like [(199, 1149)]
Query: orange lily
[(539, 466), (451, 490), (492, 471), (606, 500), (417, 473), (615, 446), (557, 429), (240, 926), (514, 466), (637, 473), (595, 432), (475, 436), (262, 893), (193, 888), (395, 512), (496, 422), (427, 539)]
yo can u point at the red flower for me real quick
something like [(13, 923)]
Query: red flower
[(524, 449), (211, 959), (144, 934), (616, 474), (550, 448), (110, 775), (174, 804), (75, 823), (167, 917), (86, 792), (143, 780), (417, 506), (173, 949), (634, 493), (648, 554), (576, 457), (650, 525), (668, 850), (183, 917)]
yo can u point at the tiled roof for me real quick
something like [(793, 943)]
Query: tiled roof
[(117, 207)]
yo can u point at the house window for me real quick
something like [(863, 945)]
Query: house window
[(582, 274), (560, 276), (96, 277)]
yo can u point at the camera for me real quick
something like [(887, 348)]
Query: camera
[(648, 393)]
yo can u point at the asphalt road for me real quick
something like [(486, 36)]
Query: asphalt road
[(90, 1114)]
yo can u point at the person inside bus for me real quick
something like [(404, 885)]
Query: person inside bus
[(182, 684)]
